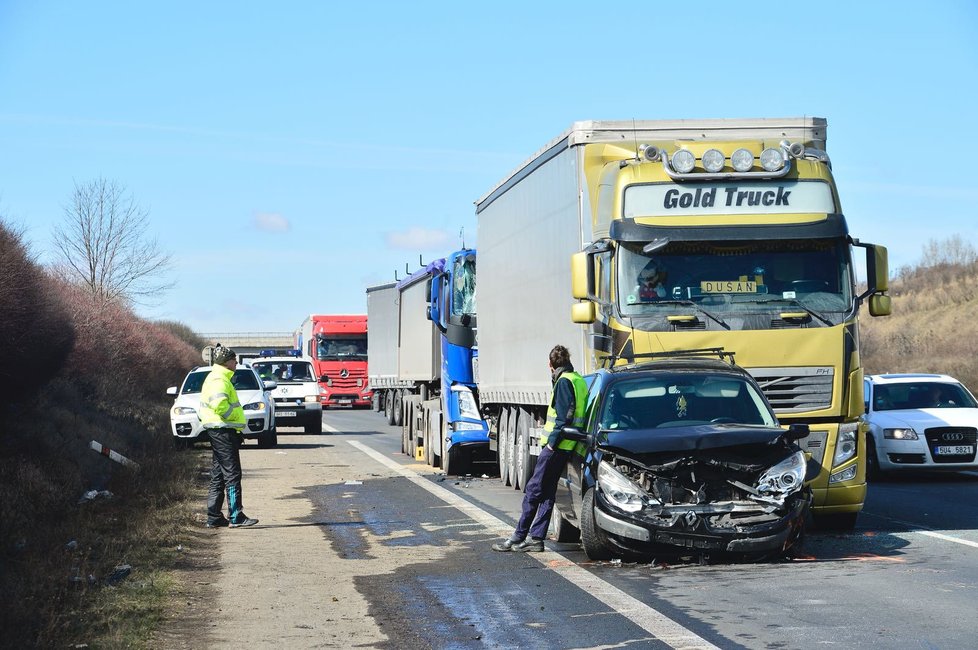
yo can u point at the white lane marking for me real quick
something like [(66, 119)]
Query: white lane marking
[(647, 618), (917, 529), (946, 538)]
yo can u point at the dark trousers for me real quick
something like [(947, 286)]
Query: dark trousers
[(541, 491), (225, 475)]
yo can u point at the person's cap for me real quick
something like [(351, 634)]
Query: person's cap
[(222, 355)]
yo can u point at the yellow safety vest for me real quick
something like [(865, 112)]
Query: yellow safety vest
[(580, 398), (219, 405)]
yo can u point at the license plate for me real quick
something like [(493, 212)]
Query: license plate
[(345, 401), (285, 414), (954, 450)]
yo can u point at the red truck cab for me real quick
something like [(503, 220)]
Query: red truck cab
[(337, 345)]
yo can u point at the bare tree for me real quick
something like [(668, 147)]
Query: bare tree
[(103, 246)]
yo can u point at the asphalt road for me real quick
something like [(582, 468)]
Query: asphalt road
[(907, 576)]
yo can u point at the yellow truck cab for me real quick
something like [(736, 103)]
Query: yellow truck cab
[(730, 234)]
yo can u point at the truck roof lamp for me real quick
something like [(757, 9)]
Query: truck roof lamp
[(794, 149), (651, 152), (683, 161), (772, 159), (713, 160), (742, 160)]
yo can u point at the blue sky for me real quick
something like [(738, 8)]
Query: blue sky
[(290, 155)]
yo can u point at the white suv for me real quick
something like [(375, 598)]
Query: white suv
[(297, 393), (253, 393), (919, 422)]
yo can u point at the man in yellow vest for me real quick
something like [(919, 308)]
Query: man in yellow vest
[(223, 418), (566, 409)]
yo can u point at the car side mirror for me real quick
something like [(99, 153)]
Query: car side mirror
[(323, 378), (796, 432), (172, 390), (269, 384), (573, 433)]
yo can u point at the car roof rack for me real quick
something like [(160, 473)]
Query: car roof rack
[(718, 353)]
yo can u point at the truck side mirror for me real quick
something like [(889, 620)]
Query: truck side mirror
[(582, 276), (879, 305), (583, 312)]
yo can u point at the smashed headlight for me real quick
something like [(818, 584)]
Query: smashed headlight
[(787, 477), (621, 491)]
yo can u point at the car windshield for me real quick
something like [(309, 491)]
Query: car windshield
[(736, 281), (921, 395), (336, 348), (242, 379), (284, 370), (675, 400)]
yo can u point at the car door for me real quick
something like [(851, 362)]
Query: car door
[(569, 489)]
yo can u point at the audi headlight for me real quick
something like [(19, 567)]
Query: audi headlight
[(845, 444), (900, 434), (254, 406), (183, 410), (620, 490), (784, 478), (467, 408)]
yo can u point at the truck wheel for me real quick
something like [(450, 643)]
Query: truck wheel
[(593, 539), (842, 522), (564, 531), (389, 407), (456, 461), (439, 445), (406, 421), (375, 401), (501, 446), (522, 449), (397, 407), (511, 448)]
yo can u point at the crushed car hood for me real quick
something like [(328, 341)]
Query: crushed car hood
[(680, 439)]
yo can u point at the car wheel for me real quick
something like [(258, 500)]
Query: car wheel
[(314, 427), (593, 539), (267, 439), (564, 531)]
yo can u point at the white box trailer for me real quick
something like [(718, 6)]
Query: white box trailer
[(382, 336), (419, 349)]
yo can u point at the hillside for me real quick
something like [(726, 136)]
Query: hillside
[(933, 325)]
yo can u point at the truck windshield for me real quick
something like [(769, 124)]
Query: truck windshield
[(463, 290), (738, 279), (284, 370), (341, 348)]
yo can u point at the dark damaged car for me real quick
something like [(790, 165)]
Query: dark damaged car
[(683, 457)]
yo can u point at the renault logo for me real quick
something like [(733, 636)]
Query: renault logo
[(690, 518), (953, 436), (344, 373)]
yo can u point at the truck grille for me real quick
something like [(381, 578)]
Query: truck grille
[(795, 390), (347, 384)]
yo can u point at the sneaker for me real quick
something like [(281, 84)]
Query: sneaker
[(247, 521), (218, 523), (527, 546)]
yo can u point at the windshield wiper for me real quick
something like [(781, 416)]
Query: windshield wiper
[(690, 303), (794, 302)]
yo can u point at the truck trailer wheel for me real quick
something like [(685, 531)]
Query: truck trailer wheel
[(510, 447), (522, 450), (389, 407), (502, 446), (397, 407)]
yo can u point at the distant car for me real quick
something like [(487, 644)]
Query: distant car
[(918, 422), (253, 393), (683, 456), (297, 393)]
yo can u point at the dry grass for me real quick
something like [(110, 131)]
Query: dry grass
[(932, 325)]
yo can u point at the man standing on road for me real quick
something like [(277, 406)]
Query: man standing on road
[(223, 418), (566, 409)]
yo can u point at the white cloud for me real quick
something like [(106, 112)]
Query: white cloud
[(271, 222), (418, 239)]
